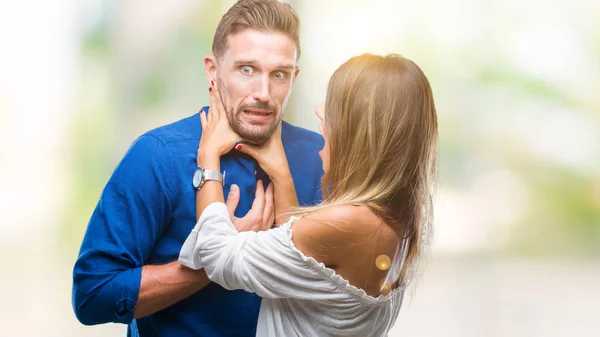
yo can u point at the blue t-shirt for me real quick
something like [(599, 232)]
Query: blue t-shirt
[(146, 212)]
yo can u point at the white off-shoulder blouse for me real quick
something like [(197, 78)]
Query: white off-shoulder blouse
[(301, 297)]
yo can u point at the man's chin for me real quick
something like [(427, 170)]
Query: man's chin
[(256, 135)]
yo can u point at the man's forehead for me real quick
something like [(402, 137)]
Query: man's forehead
[(261, 48)]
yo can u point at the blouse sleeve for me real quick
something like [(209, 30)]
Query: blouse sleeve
[(266, 263)]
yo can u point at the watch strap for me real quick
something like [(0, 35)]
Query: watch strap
[(214, 175)]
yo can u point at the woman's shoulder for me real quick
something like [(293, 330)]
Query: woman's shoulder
[(327, 233), (355, 218)]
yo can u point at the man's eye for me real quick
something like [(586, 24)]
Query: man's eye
[(247, 70), (280, 75)]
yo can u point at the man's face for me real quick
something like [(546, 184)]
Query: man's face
[(255, 77)]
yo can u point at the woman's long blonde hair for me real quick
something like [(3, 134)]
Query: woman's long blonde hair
[(381, 128)]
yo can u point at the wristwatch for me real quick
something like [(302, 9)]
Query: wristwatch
[(201, 176)]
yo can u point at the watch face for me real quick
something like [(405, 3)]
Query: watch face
[(197, 178)]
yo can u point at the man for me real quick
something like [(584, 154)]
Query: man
[(127, 269)]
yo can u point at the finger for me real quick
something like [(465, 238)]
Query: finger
[(203, 119), (258, 204), (214, 107), (233, 199), (216, 101), (251, 150), (272, 219), (269, 207)]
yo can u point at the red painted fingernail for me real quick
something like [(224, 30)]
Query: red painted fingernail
[(210, 89), (238, 147), (212, 83)]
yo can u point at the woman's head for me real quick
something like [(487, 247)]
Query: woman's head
[(380, 130)]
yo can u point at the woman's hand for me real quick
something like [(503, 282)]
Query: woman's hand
[(218, 137), (270, 156)]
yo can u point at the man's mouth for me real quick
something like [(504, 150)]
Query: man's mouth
[(258, 112)]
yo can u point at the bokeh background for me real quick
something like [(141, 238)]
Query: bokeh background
[(517, 88)]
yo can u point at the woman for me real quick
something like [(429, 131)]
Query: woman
[(339, 268)]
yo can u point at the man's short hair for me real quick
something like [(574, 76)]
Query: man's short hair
[(271, 16)]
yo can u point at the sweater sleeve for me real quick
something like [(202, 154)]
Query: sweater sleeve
[(266, 263)]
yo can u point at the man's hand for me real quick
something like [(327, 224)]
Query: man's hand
[(262, 214)]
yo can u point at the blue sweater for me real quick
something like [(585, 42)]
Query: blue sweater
[(146, 212)]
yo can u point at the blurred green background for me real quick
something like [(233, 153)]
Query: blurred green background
[(517, 89)]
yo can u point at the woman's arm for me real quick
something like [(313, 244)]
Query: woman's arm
[(271, 157), (266, 263), (211, 191), (285, 196)]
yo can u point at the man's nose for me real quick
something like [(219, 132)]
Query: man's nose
[(262, 91)]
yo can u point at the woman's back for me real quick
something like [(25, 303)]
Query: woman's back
[(353, 241)]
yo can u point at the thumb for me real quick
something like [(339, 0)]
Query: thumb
[(233, 199), (251, 150)]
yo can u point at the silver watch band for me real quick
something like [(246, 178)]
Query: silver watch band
[(213, 175)]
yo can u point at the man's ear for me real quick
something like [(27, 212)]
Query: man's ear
[(295, 74), (210, 68)]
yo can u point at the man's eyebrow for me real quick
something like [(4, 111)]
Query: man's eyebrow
[(255, 64), (244, 63), (287, 67)]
